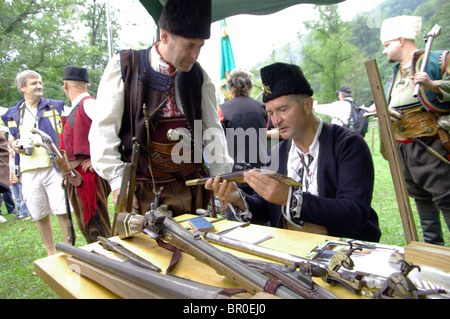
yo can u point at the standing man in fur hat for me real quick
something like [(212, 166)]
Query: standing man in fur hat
[(90, 198), (333, 165), (427, 177), (147, 93)]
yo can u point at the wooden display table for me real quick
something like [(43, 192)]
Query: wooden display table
[(68, 283)]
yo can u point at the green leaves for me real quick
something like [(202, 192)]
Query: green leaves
[(47, 35)]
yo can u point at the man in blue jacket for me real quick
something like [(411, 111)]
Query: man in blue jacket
[(41, 181), (333, 165)]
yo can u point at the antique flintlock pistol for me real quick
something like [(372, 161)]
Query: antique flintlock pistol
[(238, 177)]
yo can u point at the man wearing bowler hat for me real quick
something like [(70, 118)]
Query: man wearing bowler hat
[(146, 94), (90, 198), (339, 111), (344, 111), (332, 164)]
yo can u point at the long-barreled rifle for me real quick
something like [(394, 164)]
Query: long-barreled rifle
[(346, 277), (428, 39), (160, 285), (339, 272), (161, 227)]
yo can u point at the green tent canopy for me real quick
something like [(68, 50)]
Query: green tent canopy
[(222, 9)]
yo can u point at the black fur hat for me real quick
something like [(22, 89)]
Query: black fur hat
[(75, 73), (189, 19), (283, 79)]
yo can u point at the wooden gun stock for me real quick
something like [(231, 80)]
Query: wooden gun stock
[(298, 280), (161, 227), (238, 177)]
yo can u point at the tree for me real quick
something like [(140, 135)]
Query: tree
[(328, 59), (95, 43), (333, 52), (46, 36)]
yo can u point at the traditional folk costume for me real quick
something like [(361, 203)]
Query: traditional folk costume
[(142, 100), (337, 174), (427, 177), (90, 199)]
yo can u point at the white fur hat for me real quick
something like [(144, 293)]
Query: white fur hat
[(407, 27)]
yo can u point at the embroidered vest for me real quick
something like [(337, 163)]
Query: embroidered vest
[(76, 131), (438, 63), (152, 90)]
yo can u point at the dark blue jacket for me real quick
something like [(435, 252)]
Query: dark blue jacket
[(345, 185), (245, 116)]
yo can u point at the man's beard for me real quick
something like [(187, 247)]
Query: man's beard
[(392, 60)]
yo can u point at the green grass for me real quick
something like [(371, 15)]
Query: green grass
[(20, 246), (20, 243), (384, 200)]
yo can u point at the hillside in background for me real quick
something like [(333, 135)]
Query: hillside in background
[(333, 52)]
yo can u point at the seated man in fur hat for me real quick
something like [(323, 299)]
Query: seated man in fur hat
[(333, 165), (146, 94)]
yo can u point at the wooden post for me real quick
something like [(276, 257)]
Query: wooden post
[(387, 138)]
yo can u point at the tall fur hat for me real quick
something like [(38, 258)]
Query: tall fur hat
[(189, 19), (283, 79), (407, 27)]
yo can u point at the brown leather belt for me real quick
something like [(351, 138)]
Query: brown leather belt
[(163, 167)]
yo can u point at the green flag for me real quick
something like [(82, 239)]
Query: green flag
[(227, 61)]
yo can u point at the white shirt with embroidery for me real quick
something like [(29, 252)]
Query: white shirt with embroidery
[(308, 182), (308, 177), (106, 124)]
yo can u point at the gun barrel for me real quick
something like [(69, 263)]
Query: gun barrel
[(165, 286), (232, 177), (429, 41), (224, 263), (239, 177), (260, 251), (118, 248)]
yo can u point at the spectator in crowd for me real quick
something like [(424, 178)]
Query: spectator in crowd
[(42, 189), (245, 123), (4, 164), (16, 187), (339, 111)]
